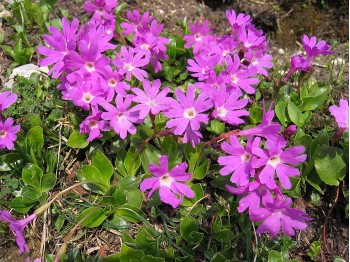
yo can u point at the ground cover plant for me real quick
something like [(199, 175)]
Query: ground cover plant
[(186, 148)]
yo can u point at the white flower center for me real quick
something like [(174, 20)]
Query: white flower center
[(2, 134), (274, 161), (112, 82), (234, 78), (246, 157), (128, 66), (255, 61), (198, 37), (89, 67), (144, 46), (93, 124), (190, 113), (151, 103), (247, 44), (166, 180), (87, 97), (221, 111)]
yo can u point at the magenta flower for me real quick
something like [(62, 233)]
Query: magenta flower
[(170, 183), (239, 161), (89, 60), (260, 61), (275, 160), (151, 99), (17, 226), (7, 98), (254, 194), (228, 108), (297, 63), (101, 9), (139, 25), (251, 38), (202, 66), (289, 131), (120, 116), (8, 133), (279, 215), (128, 61), (200, 37), (60, 44), (237, 22), (98, 34), (84, 94), (314, 48), (93, 125), (341, 114), (242, 78), (187, 111), (266, 128)]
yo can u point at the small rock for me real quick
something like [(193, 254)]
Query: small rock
[(281, 51), (25, 71)]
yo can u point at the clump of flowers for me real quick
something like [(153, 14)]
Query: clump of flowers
[(120, 93)]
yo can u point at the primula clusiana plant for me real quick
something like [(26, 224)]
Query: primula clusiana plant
[(198, 123)]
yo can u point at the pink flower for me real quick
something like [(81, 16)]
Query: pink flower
[(101, 9), (7, 98), (8, 133), (314, 48), (341, 114), (200, 37), (266, 128), (279, 215), (151, 99), (228, 108), (253, 195), (120, 116), (128, 61), (276, 160), (202, 65), (187, 112), (17, 226), (60, 44), (170, 183), (237, 22), (242, 78), (93, 125), (139, 25), (259, 60), (239, 161), (297, 63)]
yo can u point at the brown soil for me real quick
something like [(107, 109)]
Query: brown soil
[(285, 21)]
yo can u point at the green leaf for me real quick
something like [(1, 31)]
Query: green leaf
[(77, 140), (149, 155), (314, 98), (128, 254), (280, 110), (48, 182), (201, 171), (224, 235), (31, 175), (96, 216), (104, 166), (321, 139), (36, 137), (30, 193), (216, 127), (218, 257), (130, 213), (294, 113), (189, 230), (315, 250), (275, 256), (149, 258), (132, 161), (330, 165), (134, 197), (22, 204), (90, 173)]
